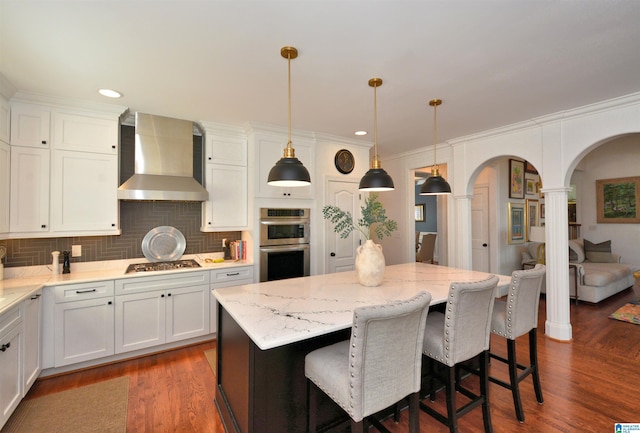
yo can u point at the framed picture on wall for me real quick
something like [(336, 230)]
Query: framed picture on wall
[(420, 212), (533, 215), (516, 223), (516, 179), (617, 200), (532, 186)]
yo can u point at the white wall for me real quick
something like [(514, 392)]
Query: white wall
[(617, 158)]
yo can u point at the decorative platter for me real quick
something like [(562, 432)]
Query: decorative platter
[(164, 243)]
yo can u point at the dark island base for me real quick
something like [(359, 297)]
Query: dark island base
[(265, 391)]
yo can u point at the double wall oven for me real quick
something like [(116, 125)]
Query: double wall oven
[(284, 243)]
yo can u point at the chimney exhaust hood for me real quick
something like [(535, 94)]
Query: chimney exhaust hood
[(163, 162)]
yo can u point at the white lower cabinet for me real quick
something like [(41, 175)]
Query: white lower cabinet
[(226, 278), (83, 322), (155, 310), (11, 353), (32, 340)]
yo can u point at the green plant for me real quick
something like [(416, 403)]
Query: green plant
[(372, 213)]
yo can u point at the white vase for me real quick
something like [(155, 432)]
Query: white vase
[(370, 264)]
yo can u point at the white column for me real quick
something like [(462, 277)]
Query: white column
[(462, 232), (558, 324)]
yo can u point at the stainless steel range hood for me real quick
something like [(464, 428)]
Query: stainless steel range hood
[(163, 162)]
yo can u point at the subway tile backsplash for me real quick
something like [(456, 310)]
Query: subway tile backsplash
[(136, 219)]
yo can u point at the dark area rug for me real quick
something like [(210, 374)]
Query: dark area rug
[(628, 313)]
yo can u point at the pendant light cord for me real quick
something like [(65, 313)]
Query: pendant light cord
[(289, 95), (435, 164), (375, 126)]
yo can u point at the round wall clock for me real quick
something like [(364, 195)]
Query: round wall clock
[(344, 161)]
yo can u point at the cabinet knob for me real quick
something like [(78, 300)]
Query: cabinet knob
[(36, 296), (209, 158), (113, 225), (113, 147), (169, 294), (332, 254), (162, 296), (4, 347), (43, 226), (109, 303), (44, 141)]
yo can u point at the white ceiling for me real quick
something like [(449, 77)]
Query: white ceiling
[(492, 62)]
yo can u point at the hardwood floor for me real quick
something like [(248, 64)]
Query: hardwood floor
[(588, 384)]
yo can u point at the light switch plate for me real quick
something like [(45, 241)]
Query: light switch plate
[(76, 250)]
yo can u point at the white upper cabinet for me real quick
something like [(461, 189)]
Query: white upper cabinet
[(226, 179), (5, 120), (84, 188), (226, 208), (64, 170), (30, 125), (29, 208), (226, 150), (269, 148), (5, 191), (83, 133)]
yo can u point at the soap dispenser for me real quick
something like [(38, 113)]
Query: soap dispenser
[(66, 266)]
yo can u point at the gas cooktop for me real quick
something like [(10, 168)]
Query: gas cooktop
[(162, 266)]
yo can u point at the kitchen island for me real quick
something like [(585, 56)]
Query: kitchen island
[(266, 329)]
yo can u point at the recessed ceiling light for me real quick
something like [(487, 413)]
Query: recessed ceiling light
[(110, 93), (360, 133)]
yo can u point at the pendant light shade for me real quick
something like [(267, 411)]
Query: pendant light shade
[(376, 179), (289, 171), (435, 184)]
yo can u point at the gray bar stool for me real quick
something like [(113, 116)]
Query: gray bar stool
[(460, 334), (379, 366), (517, 316)]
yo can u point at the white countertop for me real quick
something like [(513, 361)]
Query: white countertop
[(280, 312), (25, 281)]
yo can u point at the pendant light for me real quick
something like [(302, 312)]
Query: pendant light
[(289, 171), (435, 184), (376, 179)]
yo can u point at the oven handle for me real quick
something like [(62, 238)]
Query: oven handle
[(300, 247), (283, 222)]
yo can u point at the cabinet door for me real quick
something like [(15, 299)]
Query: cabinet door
[(84, 192), (226, 150), (187, 313), (5, 192), (228, 196), (29, 210), (140, 320), (83, 330), (32, 320), (30, 125), (269, 150), (10, 372), (5, 119), (84, 133)]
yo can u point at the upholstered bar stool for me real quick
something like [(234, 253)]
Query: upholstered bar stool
[(459, 334), (516, 316), (379, 366)]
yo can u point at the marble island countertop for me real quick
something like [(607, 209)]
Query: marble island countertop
[(280, 312), (20, 283)]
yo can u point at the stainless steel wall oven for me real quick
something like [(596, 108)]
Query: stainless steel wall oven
[(284, 244)]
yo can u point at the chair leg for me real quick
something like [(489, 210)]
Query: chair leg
[(312, 405), (514, 379), (484, 391), (414, 412), (450, 386), (357, 427), (533, 360)]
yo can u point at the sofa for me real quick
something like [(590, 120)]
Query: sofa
[(600, 273)]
